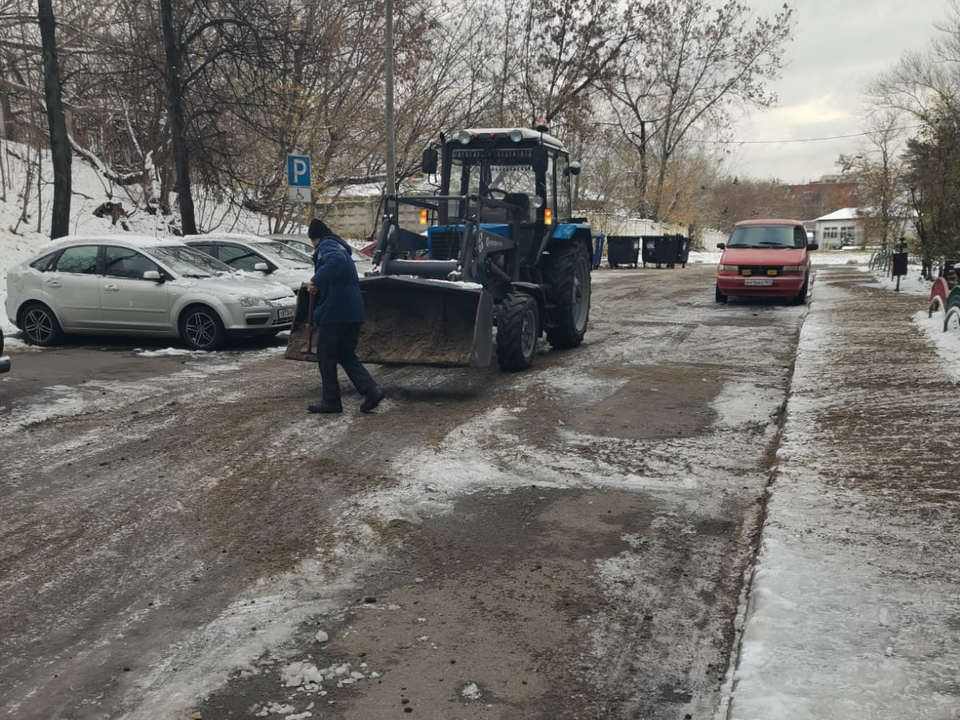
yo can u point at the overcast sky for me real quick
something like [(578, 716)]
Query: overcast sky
[(838, 47)]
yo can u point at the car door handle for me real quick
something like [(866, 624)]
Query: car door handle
[(111, 288), (53, 283)]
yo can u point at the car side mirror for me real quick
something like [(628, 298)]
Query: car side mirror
[(813, 246), (721, 245), (429, 162), (574, 168), (541, 159), (152, 275), (262, 267)]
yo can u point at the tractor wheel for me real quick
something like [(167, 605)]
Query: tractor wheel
[(568, 278), (518, 328)]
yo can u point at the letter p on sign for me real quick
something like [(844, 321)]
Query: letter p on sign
[(298, 171)]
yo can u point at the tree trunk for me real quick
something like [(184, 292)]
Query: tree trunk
[(178, 123), (59, 141)]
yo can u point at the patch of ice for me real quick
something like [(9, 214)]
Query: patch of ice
[(170, 352), (740, 403)]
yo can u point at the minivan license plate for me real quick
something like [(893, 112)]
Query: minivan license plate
[(758, 281)]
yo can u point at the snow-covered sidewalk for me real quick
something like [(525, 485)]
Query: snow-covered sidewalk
[(854, 606)]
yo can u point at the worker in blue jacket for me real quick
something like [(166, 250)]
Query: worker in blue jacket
[(338, 315)]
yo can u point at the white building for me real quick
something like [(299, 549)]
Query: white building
[(838, 229)]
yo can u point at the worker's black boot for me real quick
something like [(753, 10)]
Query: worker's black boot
[(371, 398), (325, 407)]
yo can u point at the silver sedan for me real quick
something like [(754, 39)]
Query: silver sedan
[(123, 285)]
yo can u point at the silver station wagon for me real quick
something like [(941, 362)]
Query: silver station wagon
[(129, 285), (266, 259)]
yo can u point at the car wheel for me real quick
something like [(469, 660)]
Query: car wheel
[(40, 325), (801, 296), (201, 328), (721, 298)]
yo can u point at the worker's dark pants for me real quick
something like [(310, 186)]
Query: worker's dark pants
[(337, 343)]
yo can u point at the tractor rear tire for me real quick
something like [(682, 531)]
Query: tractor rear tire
[(518, 329), (567, 274)]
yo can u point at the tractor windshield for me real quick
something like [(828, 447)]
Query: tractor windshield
[(508, 169), (494, 172)]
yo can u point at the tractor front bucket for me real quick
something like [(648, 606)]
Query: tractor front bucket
[(411, 321)]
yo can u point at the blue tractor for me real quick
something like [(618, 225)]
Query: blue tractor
[(496, 247)]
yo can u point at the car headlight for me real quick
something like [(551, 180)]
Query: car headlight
[(794, 268), (250, 300), (728, 268)]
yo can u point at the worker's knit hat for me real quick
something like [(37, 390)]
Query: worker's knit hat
[(318, 230)]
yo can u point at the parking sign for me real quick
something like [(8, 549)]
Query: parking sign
[(298, 171)]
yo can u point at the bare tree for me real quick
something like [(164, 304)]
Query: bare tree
[(877, 168), (696, 61), (925, 87), (567, 53)]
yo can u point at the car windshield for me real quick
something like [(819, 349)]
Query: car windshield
[(186, 261), (300, 245), (284, 255), (767, 236)]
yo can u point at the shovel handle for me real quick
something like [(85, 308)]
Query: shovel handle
[(310, 343)]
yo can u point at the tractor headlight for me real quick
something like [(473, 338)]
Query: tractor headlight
[(516, 134), (464, 137), (537, 201)]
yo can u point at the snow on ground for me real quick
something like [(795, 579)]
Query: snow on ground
[(853, 607)]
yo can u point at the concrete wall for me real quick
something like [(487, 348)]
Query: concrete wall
[(359, 218)]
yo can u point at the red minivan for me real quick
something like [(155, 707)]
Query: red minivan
[(765, 258)]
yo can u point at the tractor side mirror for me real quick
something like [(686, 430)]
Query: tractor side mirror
[(429, 163), (574, 168), (541, 159)]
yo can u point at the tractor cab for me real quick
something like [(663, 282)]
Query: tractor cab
[(512, 182)]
